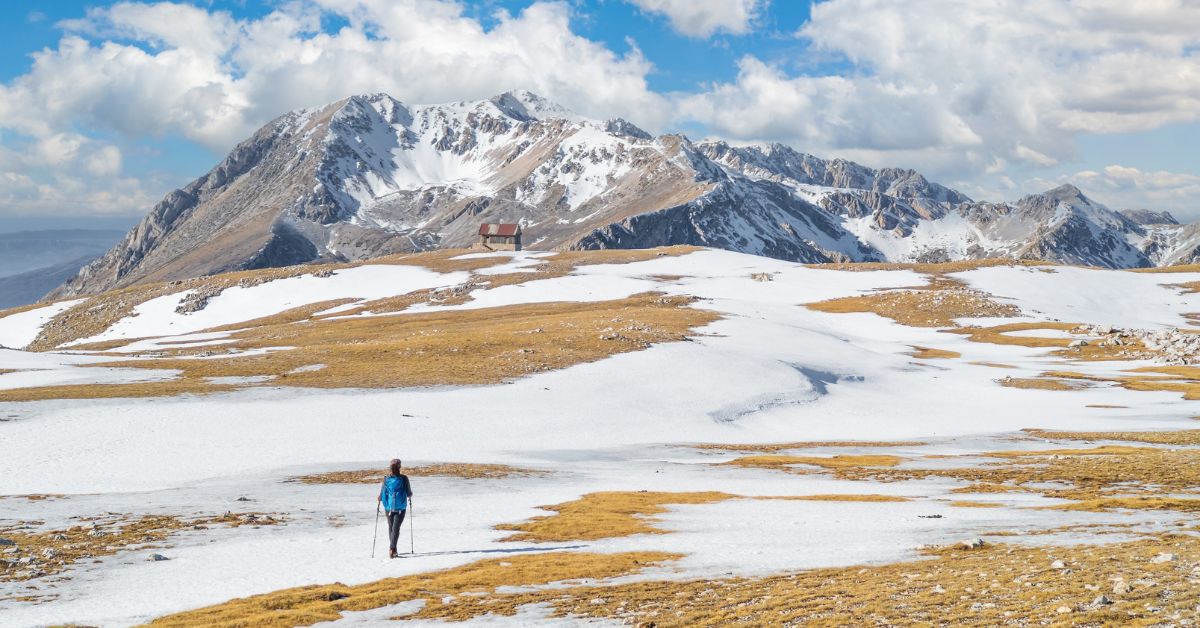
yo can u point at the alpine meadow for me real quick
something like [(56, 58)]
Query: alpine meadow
[(600, 312)]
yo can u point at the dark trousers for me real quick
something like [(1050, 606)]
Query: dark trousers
[(395, 518)]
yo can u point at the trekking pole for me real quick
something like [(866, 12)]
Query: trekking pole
[(375, 538), (412, 545)]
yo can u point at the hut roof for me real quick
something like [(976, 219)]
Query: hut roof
[(499, 229)]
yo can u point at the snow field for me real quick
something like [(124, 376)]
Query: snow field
[(771, 370)]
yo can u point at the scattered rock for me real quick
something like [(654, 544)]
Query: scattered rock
[(1075, 344), (243, 498), (198, 299), (929, 516), (1058, 564), (4, 542), (1101, 601), (971, 544), (157, 557), (1120, 587), (1063, 610), (761, 276), (1164, 558)]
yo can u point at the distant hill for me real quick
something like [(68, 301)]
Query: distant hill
[(31, 286), (23, 251), (32, 263)]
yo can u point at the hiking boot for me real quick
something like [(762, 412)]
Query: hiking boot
[(392, 554)]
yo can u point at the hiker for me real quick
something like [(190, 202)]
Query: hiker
[(394, 496)]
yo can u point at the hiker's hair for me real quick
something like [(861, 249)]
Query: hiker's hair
[(395, 465)]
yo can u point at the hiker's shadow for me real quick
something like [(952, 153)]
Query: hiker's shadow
[(501, 550)]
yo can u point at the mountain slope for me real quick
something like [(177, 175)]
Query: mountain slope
[(369, 175)]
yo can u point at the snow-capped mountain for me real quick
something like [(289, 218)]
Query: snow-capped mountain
[(369, 175)]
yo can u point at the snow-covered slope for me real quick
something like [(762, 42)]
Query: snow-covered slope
[(370, 175), (769, 370)]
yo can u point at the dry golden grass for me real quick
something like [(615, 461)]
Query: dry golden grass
[(304, 606), (937, 304), (1105, 450), (1093, 352), (1079, 475), (995, 365), (1133, 503), (604, 515), (1112, 471), (479, 346), (999, 334), (167, 388), (844, 466), (53, 551), (1179, 268), (1189, 388), (100, 312), (618, 256), (1179, 437), (777, 447), (926, 353), (1182, 373), (293, 315), (933, 268), (35, 497), (963, 503), (840, 497), (990, 586), (464, 470), (1039, 383), (7, 371), (22, 308)]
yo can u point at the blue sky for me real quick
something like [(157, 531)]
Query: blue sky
[(999, 99)]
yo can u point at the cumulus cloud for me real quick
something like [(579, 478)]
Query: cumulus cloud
[(703, 18), (971, 92), (166, 69), (214, 79), (1124, 186), (964, 87), (66, 174)]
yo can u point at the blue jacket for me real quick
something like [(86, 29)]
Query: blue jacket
[(395, 493)]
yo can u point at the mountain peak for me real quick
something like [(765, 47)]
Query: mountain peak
[(1150, 217), (1067, 192), (525, 105)]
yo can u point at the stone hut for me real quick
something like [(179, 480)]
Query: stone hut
[(499, 236)]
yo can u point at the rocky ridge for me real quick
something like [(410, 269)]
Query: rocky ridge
[(369, 175)]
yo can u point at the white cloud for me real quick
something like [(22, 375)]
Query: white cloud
[(957, 86), (971, 92), (67, 174), (166, 69), (703, 18), (1123, 186), (214, 79)]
